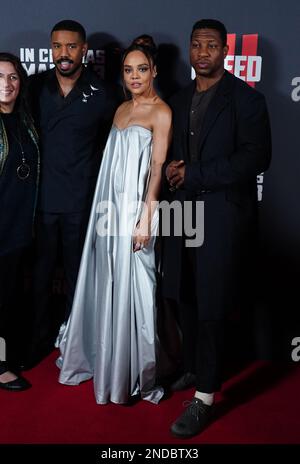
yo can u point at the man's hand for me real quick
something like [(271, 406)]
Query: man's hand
[(175, 173)]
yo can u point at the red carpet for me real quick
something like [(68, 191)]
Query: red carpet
[(259, 404)]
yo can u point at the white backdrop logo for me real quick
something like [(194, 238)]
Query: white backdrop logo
[(260, 184), (247, 65), (36, 60), (2, 349)]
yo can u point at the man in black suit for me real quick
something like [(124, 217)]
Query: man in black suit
[(221, 142), (73, 110)]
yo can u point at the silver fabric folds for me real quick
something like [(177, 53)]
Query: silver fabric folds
[(111, 333)]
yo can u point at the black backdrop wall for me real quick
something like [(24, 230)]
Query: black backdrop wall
[(264, 39)]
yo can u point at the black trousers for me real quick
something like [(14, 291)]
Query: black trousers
[(203, 340), (12, 306), (53, 230)]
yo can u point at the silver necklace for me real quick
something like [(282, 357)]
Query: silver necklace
[(23, 170)]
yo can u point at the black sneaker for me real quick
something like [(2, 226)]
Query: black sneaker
[(193, 420)]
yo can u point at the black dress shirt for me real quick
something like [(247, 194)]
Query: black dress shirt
[(73, 130), (200, 102)]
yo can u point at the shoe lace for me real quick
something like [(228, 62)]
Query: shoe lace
[(194, 407)]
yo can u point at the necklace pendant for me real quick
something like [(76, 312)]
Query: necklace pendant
[(23, 170)]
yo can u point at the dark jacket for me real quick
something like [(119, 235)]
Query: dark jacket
[(17, 197), (234, 147)]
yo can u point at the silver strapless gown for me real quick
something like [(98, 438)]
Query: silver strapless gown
[(111, 333)]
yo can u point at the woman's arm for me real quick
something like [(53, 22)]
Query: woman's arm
[(161, 127)]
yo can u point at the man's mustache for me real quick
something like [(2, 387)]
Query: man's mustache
[(64, 59)]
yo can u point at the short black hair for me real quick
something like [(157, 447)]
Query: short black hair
[(211, 24), (70, 25)]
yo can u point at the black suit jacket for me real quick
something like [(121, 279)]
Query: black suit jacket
[(234, 147), (73, 132)]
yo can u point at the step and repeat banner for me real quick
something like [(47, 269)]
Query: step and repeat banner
[(263, 38)]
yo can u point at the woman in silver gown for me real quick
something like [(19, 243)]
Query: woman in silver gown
[(111, 333)]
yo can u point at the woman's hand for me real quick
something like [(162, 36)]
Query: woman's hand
[(141, 235)]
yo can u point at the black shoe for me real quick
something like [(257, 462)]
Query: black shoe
[(187, 380), (193, 420), (18, 384)]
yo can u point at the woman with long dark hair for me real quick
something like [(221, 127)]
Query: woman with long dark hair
[(111, 334), (19, 171)]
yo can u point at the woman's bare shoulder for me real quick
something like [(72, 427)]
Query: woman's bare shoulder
[(162, 111), (121, 111), (123, 106), (162, 104)]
